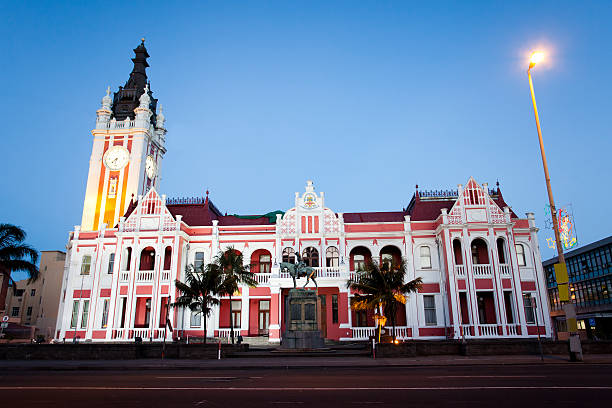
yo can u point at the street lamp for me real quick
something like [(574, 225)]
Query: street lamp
[(560, 268)]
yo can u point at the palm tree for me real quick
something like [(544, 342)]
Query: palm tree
[(231, 263), (199, 290), (382, 288), (15, 255)]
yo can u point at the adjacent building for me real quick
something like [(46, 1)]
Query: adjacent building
[(34, 305), (479, 261), (590, 275)]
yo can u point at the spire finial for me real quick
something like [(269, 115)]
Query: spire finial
[(106, 100), (108, 90), (143, 40)]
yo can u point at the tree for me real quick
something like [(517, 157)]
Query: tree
[(382, 288), (199, 290), (15, 255), (234, 273)]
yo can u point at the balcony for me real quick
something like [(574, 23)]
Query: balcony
[(482, 271), (460, 271), (165, 276), (124, 276), (262, 278), (504, 270), (144, 276)]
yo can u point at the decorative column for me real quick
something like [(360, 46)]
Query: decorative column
[(274, 335)]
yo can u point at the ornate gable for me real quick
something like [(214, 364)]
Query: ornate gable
[(150, 214), (473, 204)]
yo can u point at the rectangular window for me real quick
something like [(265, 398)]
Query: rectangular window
[(334, 308), (111, 263), (196, 319), (236, 309), (15, 312), (33, 292), (529, 302), (147, 312), (199, 260), (429, 305), (520, 255), (105, 313), (29, 311), (86, 265), (85, 314), (265, 263), (75, 314), (123, 312)]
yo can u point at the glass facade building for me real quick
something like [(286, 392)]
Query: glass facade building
[(590, 274)]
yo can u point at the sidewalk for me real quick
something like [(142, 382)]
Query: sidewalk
[(291, 363)]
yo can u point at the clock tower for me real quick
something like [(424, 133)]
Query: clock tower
[(128, 147)]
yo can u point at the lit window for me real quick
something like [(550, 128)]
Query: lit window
[(429, 306), (86, 265), (425, 253), (520, 255)]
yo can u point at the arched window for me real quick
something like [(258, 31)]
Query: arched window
[(261, 261), (332, 257), (457, 252), (425, 256), (501, 250), (167, 258), (480, 253), (390, 255), (310, 256), (358, 258), (520, 255), (147, 259), (289, 255)]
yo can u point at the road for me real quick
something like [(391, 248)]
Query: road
[(556, 385)]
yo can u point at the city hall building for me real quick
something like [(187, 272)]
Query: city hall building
[(479, 261)]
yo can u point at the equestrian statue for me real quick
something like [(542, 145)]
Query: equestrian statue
[(299, 270)]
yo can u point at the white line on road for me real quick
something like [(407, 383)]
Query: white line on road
[(507, 387), (488, 376), (205, 378)]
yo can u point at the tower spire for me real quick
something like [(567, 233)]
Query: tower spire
[(127, 98)]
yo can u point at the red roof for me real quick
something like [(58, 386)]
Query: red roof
[(389, 216)]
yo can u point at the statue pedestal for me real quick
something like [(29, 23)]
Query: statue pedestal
[(301, 321)]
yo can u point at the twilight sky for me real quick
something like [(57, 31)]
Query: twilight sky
[(365, 98)]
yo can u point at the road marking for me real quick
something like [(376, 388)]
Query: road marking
[(205, 378), (489, 376), (255, 377), (458, 388), (287, 402)]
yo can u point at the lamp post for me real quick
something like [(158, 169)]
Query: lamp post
[(560, 268)]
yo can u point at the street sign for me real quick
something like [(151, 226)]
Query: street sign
[(592, 322), (3, 325), (5, 318)]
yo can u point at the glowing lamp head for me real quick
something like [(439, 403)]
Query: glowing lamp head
[(535, 58)]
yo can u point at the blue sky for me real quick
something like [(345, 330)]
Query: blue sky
[(365, 98)]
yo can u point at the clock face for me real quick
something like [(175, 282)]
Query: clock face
[(150, 167), (116, 158)]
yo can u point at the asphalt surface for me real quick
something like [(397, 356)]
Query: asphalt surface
[(558, 385)]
